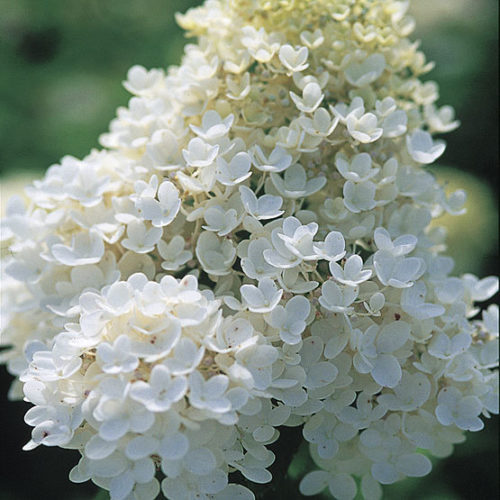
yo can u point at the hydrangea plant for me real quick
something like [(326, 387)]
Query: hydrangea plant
[(252, 252)]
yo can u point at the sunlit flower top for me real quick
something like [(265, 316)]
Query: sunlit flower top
[(251, 249)]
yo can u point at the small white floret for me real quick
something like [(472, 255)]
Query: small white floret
[(264, 207), (422, 148), (293, 59), (261, 299), (363, 73)]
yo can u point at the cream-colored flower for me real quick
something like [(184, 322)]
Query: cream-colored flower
[(251, 249)]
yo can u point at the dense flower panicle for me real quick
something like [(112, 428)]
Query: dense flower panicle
[(252, 250)]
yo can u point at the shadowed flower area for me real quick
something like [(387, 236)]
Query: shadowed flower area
[(62, 68)]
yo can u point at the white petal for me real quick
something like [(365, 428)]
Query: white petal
[(342, 486), (121, 486), (200, 461), (174, 447), (385, 473), (97, 448), (213, 483), (386, 370), (414, 465), (257, 475), (141, 447), (235, 492), (314, 482)]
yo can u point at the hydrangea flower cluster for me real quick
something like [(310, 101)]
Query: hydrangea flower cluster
[(252, 250)]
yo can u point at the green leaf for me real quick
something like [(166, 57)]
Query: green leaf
[(102, 495)]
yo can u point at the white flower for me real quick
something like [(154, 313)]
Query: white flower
[(86, 248), (396, 464), (255, 265), (411, 393), (422, 148), (321, 124), (311, 98), (264, 207), (261, 46), (221, 221), (356, 108), (291, 137), (364, 413), (160, 212), (402, 245), (294, 60), (359, 197), (232, 168), (186, 355), (53, 425), (201, 184), (163, 151), (326, 433), (199, 153), (375, 352), (365, 72), (490, 320), (233, 334), (332, 249), (209, 394), (455, 408), (292, 281), (301, 80), (173, 254), (449, 290), (340, 485), (337, 299), (364, 128), (413, 302), (161, 391), (353, 273), (238, 90), (261, 299), (295, 183), (397, 271), (215, 255), (395, 124), (480, 290), (454, 204), (442, 119), (145, 189), (280, 256), (290, 320), (258, 360), (375, 304), (277, 161), (114, 412), (141, 81), (131, 262), (312, 40), (28, 267), (358, 170), (236, 171), (213, 126), (140, 238), (298, 238), (117, 357), (49, 366), (441, 346), (385, 107)]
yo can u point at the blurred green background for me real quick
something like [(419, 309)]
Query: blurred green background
[(62, 62)]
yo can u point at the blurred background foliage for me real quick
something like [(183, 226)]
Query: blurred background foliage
[(62, 63)]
